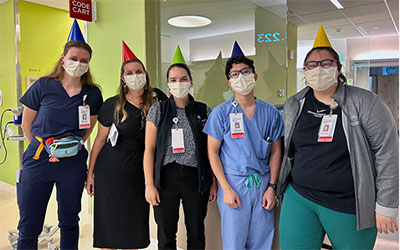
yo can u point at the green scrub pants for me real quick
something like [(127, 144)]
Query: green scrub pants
[(303, 225)]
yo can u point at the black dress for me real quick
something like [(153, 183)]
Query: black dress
[(121, 213)]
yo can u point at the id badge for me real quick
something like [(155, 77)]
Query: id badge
[(84, 117), (327, 128), (237, 129), (177, 141)]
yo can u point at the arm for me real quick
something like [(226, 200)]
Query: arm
[(152, 196), (230, 196), (102, 133), (28, 117), (93, 120), (268, 201), (381, 131)]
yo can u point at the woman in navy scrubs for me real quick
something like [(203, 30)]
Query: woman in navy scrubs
[(51, 110)]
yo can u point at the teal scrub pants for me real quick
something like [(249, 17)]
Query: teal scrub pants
[(303, 225)]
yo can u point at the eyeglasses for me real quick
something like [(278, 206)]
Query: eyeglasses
[(235, 74), (326, 63)]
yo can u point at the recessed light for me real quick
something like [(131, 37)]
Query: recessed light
[(376, 28), (189, 21)]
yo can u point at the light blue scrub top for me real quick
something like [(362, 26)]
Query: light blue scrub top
[(250, 154)]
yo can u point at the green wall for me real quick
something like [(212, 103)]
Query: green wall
[(117, 20), (292, 63), (8, 87)]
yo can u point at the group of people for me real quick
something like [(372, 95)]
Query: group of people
[(332, 161)]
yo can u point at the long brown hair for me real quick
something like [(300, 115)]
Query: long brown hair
[(147, 97), (58, 71)]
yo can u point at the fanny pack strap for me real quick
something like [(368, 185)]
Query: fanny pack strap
[(39, 149)]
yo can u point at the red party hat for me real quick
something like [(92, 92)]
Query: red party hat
[(127, 53)]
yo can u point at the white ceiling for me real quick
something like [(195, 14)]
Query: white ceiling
[(359, 18), (371, 17)]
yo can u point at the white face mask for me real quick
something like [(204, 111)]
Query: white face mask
[(74, 68), (321, 79), (135, 81), (179, 89), (243, 84)]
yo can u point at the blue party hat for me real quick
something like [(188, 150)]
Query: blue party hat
[(75, 34), (237, 51)]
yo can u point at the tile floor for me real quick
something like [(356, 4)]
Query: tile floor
[(9, 220)]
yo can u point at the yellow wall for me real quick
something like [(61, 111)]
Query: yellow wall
[(8, 87), (44, 31)]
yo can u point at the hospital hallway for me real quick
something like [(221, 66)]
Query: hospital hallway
[(9, 220)]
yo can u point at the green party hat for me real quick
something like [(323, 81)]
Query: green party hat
[(178, 57)]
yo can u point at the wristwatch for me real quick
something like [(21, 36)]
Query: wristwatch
[(272, 185)]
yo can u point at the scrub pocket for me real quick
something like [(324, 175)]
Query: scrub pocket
[(265, 148)]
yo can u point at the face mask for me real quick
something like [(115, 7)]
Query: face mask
[(74, 68), (321, 79), (135, 81), (243, 84), (179, 89)]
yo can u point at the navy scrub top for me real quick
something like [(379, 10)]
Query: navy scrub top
[(57, 113)]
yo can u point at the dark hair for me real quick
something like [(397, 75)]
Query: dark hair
[(237, 60), (335, 55), (180, 65), (58, 71), (147, 98)]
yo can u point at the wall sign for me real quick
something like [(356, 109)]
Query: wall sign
[(271, 37), (81, 9)]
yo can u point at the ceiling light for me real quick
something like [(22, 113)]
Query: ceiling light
[(337, 4), (189, 21)]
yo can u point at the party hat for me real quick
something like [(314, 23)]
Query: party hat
[(237, 51), (127, 53), (178, 57), (75, 34), (321, 40)]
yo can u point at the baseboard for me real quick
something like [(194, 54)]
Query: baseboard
[(7, 187)]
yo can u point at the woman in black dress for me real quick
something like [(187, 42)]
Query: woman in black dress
[(121, 213)]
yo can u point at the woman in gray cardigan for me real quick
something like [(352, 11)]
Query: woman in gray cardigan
[(339, 174)]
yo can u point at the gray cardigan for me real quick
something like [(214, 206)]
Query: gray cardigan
[(372, 140)]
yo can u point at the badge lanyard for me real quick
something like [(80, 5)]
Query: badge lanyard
[(84, 115), (236, 122), (328, 124), (177, 143)]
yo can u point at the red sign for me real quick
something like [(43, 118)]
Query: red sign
[(81, 9)]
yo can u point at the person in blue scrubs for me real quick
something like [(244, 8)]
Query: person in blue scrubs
[(244, 148), (51, 110)]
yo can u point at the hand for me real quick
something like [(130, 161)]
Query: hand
[(90, 184), (53, 159), (231, 198), (386, 223), (213, 191), (152, 196), (268, 199)]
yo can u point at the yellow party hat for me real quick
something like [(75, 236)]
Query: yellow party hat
[(321, 40)]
